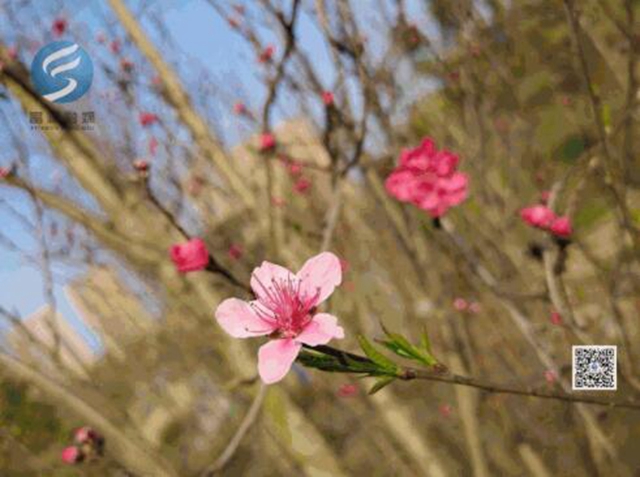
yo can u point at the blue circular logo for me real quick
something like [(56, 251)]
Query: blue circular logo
[(61, 72)]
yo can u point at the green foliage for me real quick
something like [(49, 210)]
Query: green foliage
[(403, 348), (374, 355), (33, 423)]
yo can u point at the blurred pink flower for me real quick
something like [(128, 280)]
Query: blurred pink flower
[(428, 178), (267, 54), (190, 256), (347, 390), (115, 47), (561, 227), (295, 168), (126, 64), (445, 410), (141, 165), (233, 22), (555, 318), (538, 216), (4, 172), (278, 201), (59, 26), (12, 52), (84, 435), (147, 119), (285, 310), (71, 455), (460, 304), (475, 307), (344, 265), (327, 98), (267, 142), (239, 108), (153, 146), (235, 251), (544, 196), (302, 185), (101, 37), (550, 376)]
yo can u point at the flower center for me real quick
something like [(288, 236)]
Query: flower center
[(285, 306)]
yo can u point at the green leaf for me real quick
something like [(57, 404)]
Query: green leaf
[(381, 383), (426, 342), (374, 355), (403, 348)]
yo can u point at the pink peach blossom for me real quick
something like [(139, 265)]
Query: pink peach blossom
[(239, 108), (72, 455), (561, 227), (59, 26), (302, 185), (84, 434), (278, 201), (4, 172), (141, 165), (153, 146), (347, 390), (550, 376), (147, 119), (475, 307), (190, 256), (115, 47), (539, 216), (460, 304), (267, 54), (555, 318), (327, 98), (295, 168), (545, 195), (12, 52), (445, 410), (428, 178), (267, 142), (235, 251), (285, 310)]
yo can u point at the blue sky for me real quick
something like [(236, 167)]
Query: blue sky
[(200, 35)]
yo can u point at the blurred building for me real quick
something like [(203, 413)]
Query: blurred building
[(108, 307), (46, 337)]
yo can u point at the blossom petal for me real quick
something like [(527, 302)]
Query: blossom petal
[(320, 275), (322, 329), (237, 318), (275, 359), (264, 276)]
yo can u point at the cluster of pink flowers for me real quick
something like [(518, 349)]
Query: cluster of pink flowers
[(460, 304), (190, 256), (428, 178), (285, 311), (88, 445), (542, 217)]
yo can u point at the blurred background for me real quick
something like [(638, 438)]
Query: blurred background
[(99, 329)]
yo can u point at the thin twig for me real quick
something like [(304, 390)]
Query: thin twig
[(233, 445)]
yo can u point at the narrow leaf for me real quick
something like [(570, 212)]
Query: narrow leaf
[(374, 355), (381, 383)]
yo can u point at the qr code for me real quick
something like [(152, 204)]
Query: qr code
[(594, 368)]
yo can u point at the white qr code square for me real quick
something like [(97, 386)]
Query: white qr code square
[(594, 368)]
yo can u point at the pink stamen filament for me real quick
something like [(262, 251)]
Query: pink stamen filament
[(284, 306)]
